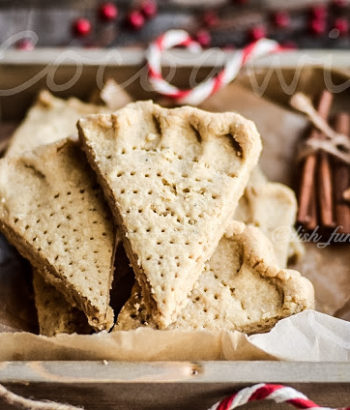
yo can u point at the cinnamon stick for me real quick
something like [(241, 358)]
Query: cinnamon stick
[(342, 179), (306, 189), (325, 190), (311, 222), (307, 213), (346, 195)]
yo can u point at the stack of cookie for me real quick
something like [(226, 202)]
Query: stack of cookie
[(206, 234)]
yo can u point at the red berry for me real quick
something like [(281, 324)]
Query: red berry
[(319, 12), (204, 38), (149, 8), (81, 27), (341, 24), (25, 44), (281, 19), (136, 20), (257, 32), (210, 19), (108, 11), (317, 27)]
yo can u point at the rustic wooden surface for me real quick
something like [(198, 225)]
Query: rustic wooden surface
[(51, 22), (170, 385)]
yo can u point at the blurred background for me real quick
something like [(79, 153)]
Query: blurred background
[(25, 24)]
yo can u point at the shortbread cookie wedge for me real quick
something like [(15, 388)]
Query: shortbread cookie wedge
[(173, 178), (272, 207), (55, 314), (53, 211), (241, 288), (260, 198), (49, 120)]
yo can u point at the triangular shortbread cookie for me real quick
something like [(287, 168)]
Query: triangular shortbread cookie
[(53, 211), (173, 178), (271, 207), (241, 288), (49, 120)]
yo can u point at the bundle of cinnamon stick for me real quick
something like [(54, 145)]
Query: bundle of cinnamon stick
[(324, 179)]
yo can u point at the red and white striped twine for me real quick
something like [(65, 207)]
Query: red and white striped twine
[(276, 392), (203, 90)]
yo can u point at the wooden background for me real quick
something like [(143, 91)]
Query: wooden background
[(51, 22)]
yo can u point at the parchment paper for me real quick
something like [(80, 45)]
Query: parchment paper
[(306, 336)]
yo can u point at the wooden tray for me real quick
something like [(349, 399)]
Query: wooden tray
[(157, 385), (164, 385)]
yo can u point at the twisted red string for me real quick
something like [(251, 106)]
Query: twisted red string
[(276, 392), (203, 90)]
